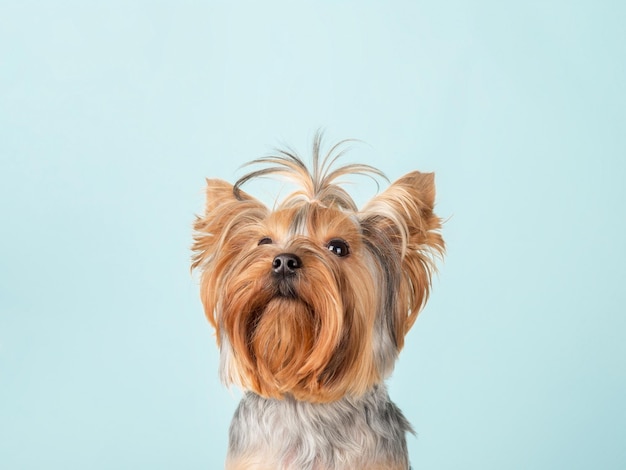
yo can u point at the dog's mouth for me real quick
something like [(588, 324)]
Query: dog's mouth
[(285, 288), (279, 296)]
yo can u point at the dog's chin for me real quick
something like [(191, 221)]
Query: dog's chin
[(286, 306)]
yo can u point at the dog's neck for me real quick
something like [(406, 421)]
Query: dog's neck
[(367, 432)]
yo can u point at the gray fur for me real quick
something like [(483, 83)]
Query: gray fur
[(340, 435), (385, 267)]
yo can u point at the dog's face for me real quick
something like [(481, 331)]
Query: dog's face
[(314, 298)]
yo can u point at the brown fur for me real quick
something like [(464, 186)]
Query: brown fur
[(318, 347), (313, 336)]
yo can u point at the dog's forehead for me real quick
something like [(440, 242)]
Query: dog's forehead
[(312, 220)]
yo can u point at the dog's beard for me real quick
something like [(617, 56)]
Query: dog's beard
[(281, 339), (284, 334)]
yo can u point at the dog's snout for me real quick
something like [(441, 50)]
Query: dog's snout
[(286, 264)]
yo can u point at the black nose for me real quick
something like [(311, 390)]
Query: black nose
[(286, 264)]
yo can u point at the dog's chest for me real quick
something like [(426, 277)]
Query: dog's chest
[(366, 433)]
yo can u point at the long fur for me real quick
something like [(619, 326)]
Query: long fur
[(326, 336), (352, 433)]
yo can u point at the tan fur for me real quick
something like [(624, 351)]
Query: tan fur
[(290, 347), (270, 361), (317, 345)]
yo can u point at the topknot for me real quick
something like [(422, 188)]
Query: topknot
[(319, 183)]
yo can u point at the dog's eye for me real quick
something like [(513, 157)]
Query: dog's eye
[(265, 241), (339, 247)]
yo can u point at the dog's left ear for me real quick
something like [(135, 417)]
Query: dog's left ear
[(401, 220)]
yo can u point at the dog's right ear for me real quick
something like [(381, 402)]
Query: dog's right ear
[(228, 212), (220, 192), (217, 192)]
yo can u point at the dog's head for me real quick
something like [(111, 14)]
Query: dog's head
[(315, 297)]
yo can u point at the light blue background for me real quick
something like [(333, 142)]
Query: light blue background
[(111, 115)]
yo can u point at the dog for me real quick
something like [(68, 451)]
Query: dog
[(311, 302)]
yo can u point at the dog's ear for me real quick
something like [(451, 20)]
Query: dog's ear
[(219, 192), (227, 210), (226, 225), (402, 219)]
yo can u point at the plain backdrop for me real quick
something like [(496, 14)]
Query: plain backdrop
[(113, 113)]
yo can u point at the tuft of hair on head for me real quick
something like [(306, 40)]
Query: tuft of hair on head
[(319, 184)]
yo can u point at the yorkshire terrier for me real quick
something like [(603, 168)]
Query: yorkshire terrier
[(311, 302)]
